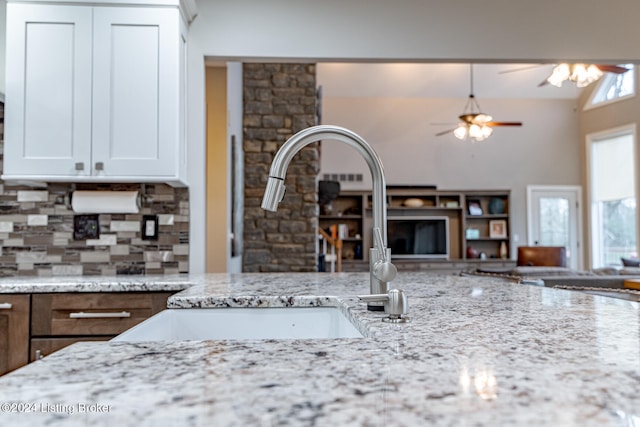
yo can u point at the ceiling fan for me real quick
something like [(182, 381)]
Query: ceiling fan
[(473, 123), (582, 74)]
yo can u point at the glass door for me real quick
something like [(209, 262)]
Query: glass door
[(554, 219)]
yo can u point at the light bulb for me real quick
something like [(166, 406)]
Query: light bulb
[(594, 72), (559, 74), (578, 73), (475, 131), (588, 76), (461, 131), (482, 118)]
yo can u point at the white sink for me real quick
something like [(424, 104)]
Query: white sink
[(242, 323)]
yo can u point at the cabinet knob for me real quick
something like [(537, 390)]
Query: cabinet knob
[(99, 166), (80, 166)]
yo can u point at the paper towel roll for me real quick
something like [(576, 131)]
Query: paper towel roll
[(105, 202)]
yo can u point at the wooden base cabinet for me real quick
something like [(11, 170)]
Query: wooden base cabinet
[(14, 331), (35, 325), (61, 319)]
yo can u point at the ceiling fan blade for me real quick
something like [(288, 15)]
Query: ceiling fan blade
[(444, 132), (504, 123), (543, 83), (612, 69)]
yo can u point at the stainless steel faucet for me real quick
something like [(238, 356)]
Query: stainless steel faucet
[(381, 270)]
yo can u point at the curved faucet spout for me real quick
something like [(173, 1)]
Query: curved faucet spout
[(275, 185), (381, 269)]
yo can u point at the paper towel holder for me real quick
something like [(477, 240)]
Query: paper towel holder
[(68, 196), (142, 197)]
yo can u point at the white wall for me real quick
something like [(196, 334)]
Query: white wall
[(544, 151), (3, 44), (600, 119), (402, 131), (436, 31)]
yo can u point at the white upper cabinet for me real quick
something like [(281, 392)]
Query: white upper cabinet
[(135, 91), (48, 93), (95, 93)]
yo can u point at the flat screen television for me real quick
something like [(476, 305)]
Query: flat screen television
[(418, 237)]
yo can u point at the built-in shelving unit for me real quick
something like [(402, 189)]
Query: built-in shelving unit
[(346, 212), (477, 224), (486, 224)]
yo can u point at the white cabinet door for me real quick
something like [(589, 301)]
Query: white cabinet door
[(136, 77), (48, 91), (94, 93)]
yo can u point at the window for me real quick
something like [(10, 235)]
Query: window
[(614, 87), (613, 197)]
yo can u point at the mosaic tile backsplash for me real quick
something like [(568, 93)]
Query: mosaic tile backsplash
[(36, 232)]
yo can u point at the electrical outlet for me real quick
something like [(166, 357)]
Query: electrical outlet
[(149, 227), (86, 227)]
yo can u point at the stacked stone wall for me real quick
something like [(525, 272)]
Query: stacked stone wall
[(279, 100)]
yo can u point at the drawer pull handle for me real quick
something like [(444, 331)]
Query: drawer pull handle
[(6, 306), (83, 315)]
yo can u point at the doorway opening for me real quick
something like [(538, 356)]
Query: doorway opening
[(224, 171)]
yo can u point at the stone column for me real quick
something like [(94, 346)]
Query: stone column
[(279, 100)]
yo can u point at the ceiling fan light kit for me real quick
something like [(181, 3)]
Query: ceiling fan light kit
[(474, 124), (475, 132), (582, 74)]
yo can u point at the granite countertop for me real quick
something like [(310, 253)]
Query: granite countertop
[(478, 351), (27, 285)]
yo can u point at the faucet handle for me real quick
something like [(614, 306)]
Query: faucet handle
[(383, 268), (378, 243)]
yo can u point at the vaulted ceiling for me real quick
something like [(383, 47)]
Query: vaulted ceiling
[(440, 81)]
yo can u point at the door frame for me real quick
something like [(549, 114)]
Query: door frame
[(561, 189), (235, 168)]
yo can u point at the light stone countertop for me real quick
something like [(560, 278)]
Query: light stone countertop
[(478, 352), (27, 285)]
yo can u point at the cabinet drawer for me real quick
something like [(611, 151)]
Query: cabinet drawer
[(76, 314), (41, 347)]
